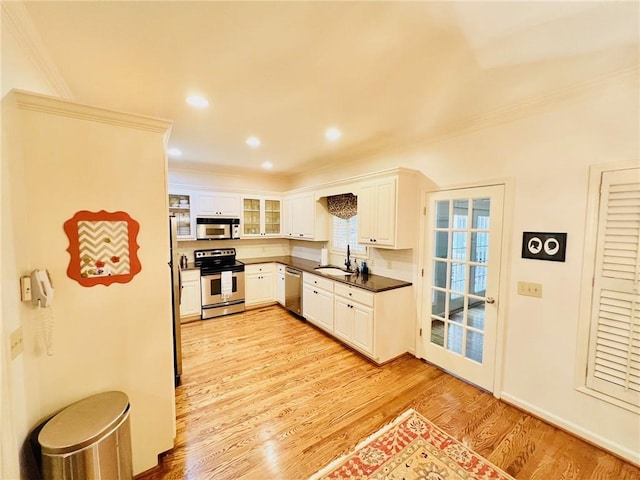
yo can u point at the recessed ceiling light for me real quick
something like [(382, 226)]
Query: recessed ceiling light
[(254, 142), (267, 165), (174, 152), (332, 134), (197, 101)]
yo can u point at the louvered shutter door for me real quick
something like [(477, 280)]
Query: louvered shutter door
[(614, 350)]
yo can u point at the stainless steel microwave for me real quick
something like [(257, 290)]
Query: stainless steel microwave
[(216, 228)]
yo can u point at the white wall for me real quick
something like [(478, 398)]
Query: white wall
[(101, 333), (544, 153), (23, 66), (116, 337), (228, 180)]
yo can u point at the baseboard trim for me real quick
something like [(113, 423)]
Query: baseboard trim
[(574, 429)]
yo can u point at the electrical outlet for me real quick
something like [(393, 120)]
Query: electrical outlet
[(17, 342), (530, 289)]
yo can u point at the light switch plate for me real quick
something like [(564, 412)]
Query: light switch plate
[(17, 342), (530, 289)]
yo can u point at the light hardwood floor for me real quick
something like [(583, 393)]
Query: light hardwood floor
[(265, 395)]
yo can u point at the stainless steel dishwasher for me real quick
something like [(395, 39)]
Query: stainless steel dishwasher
[(293, 290)]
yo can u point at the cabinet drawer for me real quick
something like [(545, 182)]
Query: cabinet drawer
[(280, 268), (190, 275), (320, 282), (260, 268), (356, 294)]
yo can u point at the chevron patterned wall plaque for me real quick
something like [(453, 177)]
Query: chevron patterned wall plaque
[(103, 247)]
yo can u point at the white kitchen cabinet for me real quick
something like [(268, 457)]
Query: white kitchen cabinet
[(220, 204), (317, 301), (261, 216), (190, 300), (377, 213), (354, 321), (306, 218), (260, 284), (181, 207), (280, 279), (378, 325), (388, 209)]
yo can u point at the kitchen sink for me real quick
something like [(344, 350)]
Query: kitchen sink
[(332, 271)]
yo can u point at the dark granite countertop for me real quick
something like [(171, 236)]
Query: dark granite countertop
[(371, 282)]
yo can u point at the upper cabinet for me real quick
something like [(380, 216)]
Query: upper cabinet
[(180, 206), (306, 218), (261, 217), (388, 209), (377, 213), (218, 204)]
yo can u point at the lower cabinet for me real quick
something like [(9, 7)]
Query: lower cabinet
[(317, 301), (190, 301), (280, 284), (378, 325), (260, 284), (354, 324)]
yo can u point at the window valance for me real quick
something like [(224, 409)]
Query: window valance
[(343, 206)]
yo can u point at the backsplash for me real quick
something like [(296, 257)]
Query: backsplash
[(263, 247), (398, 264), (307, 250)]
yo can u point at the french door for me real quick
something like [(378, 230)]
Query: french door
[(462, 277)]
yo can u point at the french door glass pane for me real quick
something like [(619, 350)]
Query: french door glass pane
[(474, 348), (442, 245), (460, 214), (459, 246), (442, 214), (475, 314), (454, 338), (439, 299), (478, 280), (437, 332), (440, 274), (480, 247), (481, 211), (458, 277)]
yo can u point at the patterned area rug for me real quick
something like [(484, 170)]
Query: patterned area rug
[(412, 448)]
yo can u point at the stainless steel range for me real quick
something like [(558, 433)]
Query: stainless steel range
[(222, 279)]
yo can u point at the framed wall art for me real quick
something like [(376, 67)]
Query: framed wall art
[(103, 248)]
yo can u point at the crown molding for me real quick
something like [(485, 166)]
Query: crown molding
[(538, 104), (67, 108), (18, 23), (528, 107)]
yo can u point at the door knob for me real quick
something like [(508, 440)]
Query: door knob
[(490, 300)]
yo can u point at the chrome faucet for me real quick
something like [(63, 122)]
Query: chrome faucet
[(347, 262)]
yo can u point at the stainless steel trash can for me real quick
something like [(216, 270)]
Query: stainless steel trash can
[(90, 439)]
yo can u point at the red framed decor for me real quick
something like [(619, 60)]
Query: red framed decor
[(103, 248)]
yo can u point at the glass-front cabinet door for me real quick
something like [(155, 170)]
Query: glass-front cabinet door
[(261, 217), (251, 217), (272, 217), (180, 207)]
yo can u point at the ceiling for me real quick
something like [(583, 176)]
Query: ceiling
[(384, 73)]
